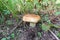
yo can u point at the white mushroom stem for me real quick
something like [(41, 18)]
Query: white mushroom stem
[(32, 24), (54, 35)]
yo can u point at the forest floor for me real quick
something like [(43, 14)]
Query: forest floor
[(23, 31)]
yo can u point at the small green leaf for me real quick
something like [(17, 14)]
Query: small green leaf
[(58, 34), (6, 12), (57, 13), (45, 27), (1, 19), (39, 34), (57, 26), (12, 35), (49, 22), (9, 22), (3, 39)]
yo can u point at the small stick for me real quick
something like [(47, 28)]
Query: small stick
[(54, 35), (16, 26)]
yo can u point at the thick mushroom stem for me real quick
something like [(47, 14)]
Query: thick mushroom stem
[(32, 24)]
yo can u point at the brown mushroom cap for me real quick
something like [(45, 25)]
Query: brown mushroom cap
[(31, 18)]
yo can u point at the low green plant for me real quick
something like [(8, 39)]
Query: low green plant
[(45, 27)]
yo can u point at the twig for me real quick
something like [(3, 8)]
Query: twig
[(16, 26), (54, 35)]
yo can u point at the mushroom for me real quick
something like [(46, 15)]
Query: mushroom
[(32, 18)]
